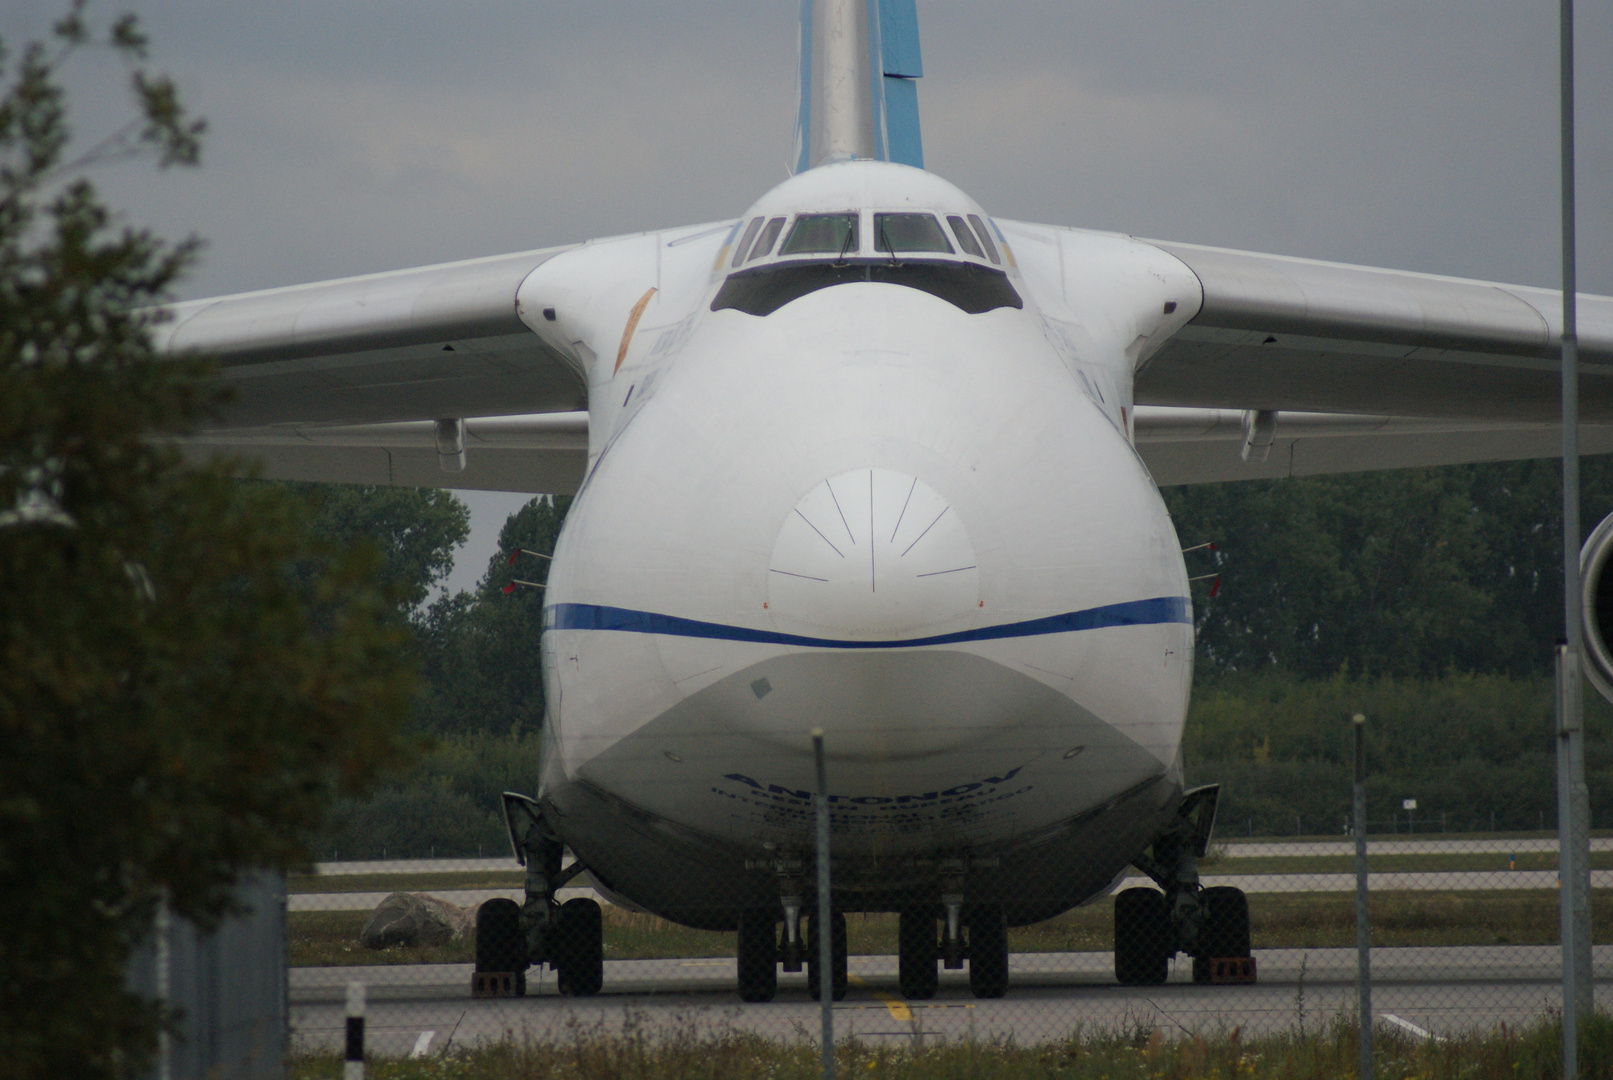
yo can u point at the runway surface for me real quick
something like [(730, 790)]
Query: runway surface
[(1433, 881), (1440, 990)]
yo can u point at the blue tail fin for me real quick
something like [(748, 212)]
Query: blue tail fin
[(858, 95)]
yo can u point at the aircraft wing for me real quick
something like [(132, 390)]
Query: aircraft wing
[(548, 453), (543, 453), (1275, 332), (419, 344), (1200, 446)]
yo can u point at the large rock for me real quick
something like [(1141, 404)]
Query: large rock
[(414, 919)]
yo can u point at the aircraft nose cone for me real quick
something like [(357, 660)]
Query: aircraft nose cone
[(872, 551)]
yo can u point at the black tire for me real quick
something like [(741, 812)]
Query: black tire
[(577, 951), (758, 956), (837, 955), (916, 954), (500, 945), (1142, 938), (1224, 932), (988, 952)]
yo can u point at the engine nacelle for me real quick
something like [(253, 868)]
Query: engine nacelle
[(1596, 583)]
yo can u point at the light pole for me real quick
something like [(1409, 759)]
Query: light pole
[(1573, 798)]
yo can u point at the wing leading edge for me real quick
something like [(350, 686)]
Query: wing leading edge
[(419, 344), (1283, 333)]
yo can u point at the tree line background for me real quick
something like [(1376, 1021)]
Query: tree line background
[(1427, 599)]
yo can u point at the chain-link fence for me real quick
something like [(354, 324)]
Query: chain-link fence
[(1133, 915)]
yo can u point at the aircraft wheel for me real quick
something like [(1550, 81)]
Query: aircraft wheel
[(758, 956), (988, 952), (837, 955), (578, 953), (500, 945), (916, 954), (1225, 930), (1142, 937)]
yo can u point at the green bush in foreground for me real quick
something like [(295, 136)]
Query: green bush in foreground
[(716, 1052)]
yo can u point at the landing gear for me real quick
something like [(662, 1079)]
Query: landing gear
[(758, 956), (500, 946), (1210, 925), (916, 954), (988, 952), (1143, 938), (568, 937), (837, 955), (577, 948), (1224, 930)]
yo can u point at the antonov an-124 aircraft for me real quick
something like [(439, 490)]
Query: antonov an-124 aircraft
[(869, 460)]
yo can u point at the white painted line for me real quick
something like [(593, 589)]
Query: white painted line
[(422, 1044), (1421, 1033)]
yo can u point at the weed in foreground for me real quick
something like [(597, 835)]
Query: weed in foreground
[(696, 1048)]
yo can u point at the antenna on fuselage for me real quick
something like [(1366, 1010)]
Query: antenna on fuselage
[(516, 554)]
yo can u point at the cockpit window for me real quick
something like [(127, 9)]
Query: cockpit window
[(970, 287), (909, 232), (744, 241), (966, 237), (822, 234), (764, 243), (985, 237)]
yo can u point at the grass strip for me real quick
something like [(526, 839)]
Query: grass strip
[(1230, 863), (1277, 921), (709, 1050), (426, 882), (1444, 863)]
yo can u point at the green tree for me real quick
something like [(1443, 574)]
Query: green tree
[(1411, 572), (414, 531), (480, 651), (481, 702), (177, 703)]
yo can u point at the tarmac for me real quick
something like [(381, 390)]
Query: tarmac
[(1437, 992)]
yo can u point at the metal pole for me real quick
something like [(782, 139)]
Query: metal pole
[(1573, 827), (1363, 944), (825, 920)]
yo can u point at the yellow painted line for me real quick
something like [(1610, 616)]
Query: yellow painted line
[(894, 1005)]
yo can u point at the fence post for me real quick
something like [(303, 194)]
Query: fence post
[(353, 1065), (826, 995), (1363, 943), (1573, 845)]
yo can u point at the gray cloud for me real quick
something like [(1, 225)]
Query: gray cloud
[(349, 137)]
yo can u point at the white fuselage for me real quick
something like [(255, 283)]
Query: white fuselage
[(871, 513)]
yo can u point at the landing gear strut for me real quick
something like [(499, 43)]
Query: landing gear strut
[(568, 937), (916, 954), (1211, 925), (758, 956)]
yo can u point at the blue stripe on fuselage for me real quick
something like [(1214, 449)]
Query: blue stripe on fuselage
[(1161, 609)]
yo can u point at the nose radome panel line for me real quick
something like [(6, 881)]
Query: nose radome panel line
[(905, 504), (925, 533), (928, 575), (849, 534), (819, 531)]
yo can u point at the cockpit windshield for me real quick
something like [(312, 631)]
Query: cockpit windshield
[(820, 250), (897, 233), (764, 243), (822, 234)]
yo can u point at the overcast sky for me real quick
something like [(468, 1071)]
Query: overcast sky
[(349, 137)]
